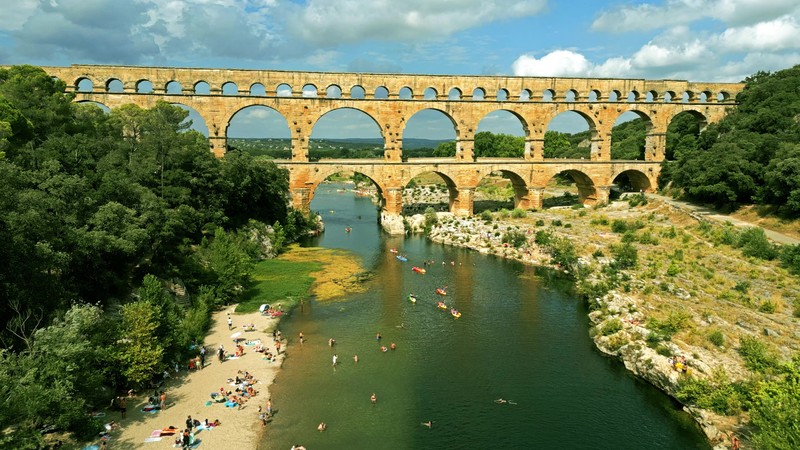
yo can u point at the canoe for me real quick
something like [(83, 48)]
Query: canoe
[(418, 269), (441, 305), (441, 291), (402, 258), (455, 313), (412, 298)]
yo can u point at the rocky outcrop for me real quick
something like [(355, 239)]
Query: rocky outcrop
[(393, 224)]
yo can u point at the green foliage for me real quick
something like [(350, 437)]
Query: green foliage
[(768, 307), (628, 140), (663, 330), (610, 327), (514, 238), (431, 219), (138, 353), (562, 253), (637, 200), (518, 213), (619, 226), (278, 281), (790, 258), (486, 216), (718, 393), (756, 355), (625, 256), (717, 338), (775, 410), (543, 237), (754, 243)]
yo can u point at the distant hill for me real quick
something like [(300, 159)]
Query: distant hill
[(408, 143)]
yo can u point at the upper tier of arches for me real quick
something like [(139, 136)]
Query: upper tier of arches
[(176, 81)]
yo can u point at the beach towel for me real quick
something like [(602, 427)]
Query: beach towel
[(231, 404), (155, 433), (152, 439)]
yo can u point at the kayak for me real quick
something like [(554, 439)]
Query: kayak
[(455, 313), (441, 291), (418, 270), (393, 250), (412, 298), (441, 305), (402, 258)]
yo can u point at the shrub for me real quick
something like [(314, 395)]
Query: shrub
[(556, 222), (619, 226), (539, 223), (486, 216), (543, 237), (757, 356), (717, 338), (518, 213), (768, 307), (790, 258), (599, 221), (562, 253), (637, 199), (673, 269), (625, 256), (753, 242), (610, 327), (515, 238)]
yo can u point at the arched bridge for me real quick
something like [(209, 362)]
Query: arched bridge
[(302, 98)]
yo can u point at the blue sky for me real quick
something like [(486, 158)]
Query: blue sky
[(698, 40)]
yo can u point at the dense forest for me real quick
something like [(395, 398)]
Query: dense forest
[(119, 233)]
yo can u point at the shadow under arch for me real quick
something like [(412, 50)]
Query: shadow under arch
[(630, 180), (575, 186), (429, 189), (259, 130), (500, 189), (346, 133)]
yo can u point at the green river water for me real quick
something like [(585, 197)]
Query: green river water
[(522, 337)]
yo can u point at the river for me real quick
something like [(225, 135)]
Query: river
[(522, 338)]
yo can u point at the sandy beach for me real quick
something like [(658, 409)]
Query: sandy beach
[(188, 393)]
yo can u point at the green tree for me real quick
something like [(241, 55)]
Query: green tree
[(138, 352)]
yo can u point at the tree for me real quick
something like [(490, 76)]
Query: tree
[(138, 352)]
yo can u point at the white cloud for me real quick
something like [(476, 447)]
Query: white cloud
[(325, 22), (775, 35), (649, 16), (12, 18), (563, 63)]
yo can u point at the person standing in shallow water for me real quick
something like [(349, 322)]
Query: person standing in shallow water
[(373, 398)]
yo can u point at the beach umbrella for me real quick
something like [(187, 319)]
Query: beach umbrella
[(263, 307), (236, 335)]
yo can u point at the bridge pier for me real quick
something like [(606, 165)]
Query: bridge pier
[(463, 202), (533, 199), (301, 198), (393, 201), (600, 197)]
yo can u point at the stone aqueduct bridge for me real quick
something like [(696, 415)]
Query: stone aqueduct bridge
[(302, 98)]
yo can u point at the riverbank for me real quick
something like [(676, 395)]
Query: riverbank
[(188, 393), (711, 294)]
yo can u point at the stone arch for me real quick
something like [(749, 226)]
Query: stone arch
[(669, 96), (84, 84), (504, 120), (357, 92), (587, 191), (202, 88), (572, 96), (254, 122), (478, 94), (230, 88), (258, 90), (633, 145), (283, 90), (631, 180), (680, 130), (359, 122), (405, 93), (594, 95), (198, 121), (500, 178), (651, 96), (333, 91), (114, 85), (144, 87), (326, 172), (435, 197), (633, 96), (502, 95), (430, 94), (687, 96), (723, 96), (706, 96), (525, 95), (309, 91), (100, 105), (173, 87), (454, 94), (554, 145), (431, 116), (548, 95), (381, 92), (614, 95)]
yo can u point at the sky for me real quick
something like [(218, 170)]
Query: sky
[(696, 40)]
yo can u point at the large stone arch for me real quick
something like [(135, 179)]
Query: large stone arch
[(654, 136), (451, 185), (362, 112), (526, 132), (639, 180), (595, 139), (413, 111), (313, 183), (259, 123), (518, 185), (588, 192)]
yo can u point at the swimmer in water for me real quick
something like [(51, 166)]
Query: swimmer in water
[(428, 424)]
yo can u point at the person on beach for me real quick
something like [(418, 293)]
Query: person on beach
[(163, 404), (230, 322), (373, 398), (278, 348), (202, 357), (734, 442), (331, 341), (301, 338), (189, 423), (269, 407)]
